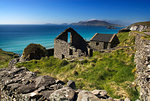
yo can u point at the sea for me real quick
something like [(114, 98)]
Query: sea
[(14, 38)]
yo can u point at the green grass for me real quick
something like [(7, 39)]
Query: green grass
[(127, 38), (5, 57)]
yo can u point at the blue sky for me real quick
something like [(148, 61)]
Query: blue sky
[(68, 11)]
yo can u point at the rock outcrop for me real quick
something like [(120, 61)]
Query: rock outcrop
[(140, 26)]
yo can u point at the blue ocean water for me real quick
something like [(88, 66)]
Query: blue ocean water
[(15, 38)]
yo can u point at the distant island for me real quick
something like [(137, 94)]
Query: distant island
[(95, 23), (92, 23)]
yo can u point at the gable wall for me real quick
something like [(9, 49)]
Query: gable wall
[(77, 45)]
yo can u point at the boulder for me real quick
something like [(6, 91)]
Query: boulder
[(44, 81), (63, 94), (87, 96), (71, 84), (33, 51), (24, 89)]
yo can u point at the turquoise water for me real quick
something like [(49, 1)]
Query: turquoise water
[(15, 38)]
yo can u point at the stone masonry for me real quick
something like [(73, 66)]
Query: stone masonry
[(142, 60), (77, 46)]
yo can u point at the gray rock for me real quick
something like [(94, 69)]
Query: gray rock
[(64, 94), (13, 86), (71, 84), (33, 96), (24, 89), (87, 96), (100, 93), (56, 86), (44, 81), (47, 93), (15, 71)]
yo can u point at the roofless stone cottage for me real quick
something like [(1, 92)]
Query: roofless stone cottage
[(76, 46), (103, 41)]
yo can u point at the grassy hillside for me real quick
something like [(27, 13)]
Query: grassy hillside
[(5, 57), (147, 23), (112, 71)]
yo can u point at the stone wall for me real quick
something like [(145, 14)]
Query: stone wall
[(99, 45), (142, 60)]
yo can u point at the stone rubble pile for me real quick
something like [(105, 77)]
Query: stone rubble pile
[(20, 84)]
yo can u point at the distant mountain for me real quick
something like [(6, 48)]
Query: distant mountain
[(95, 23)]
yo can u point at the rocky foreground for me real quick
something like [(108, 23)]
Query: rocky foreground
[(20, 84)]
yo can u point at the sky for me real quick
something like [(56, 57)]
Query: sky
[(69, 11)]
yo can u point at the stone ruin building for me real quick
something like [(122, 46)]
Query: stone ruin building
[(103, 41), (69, 44)]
